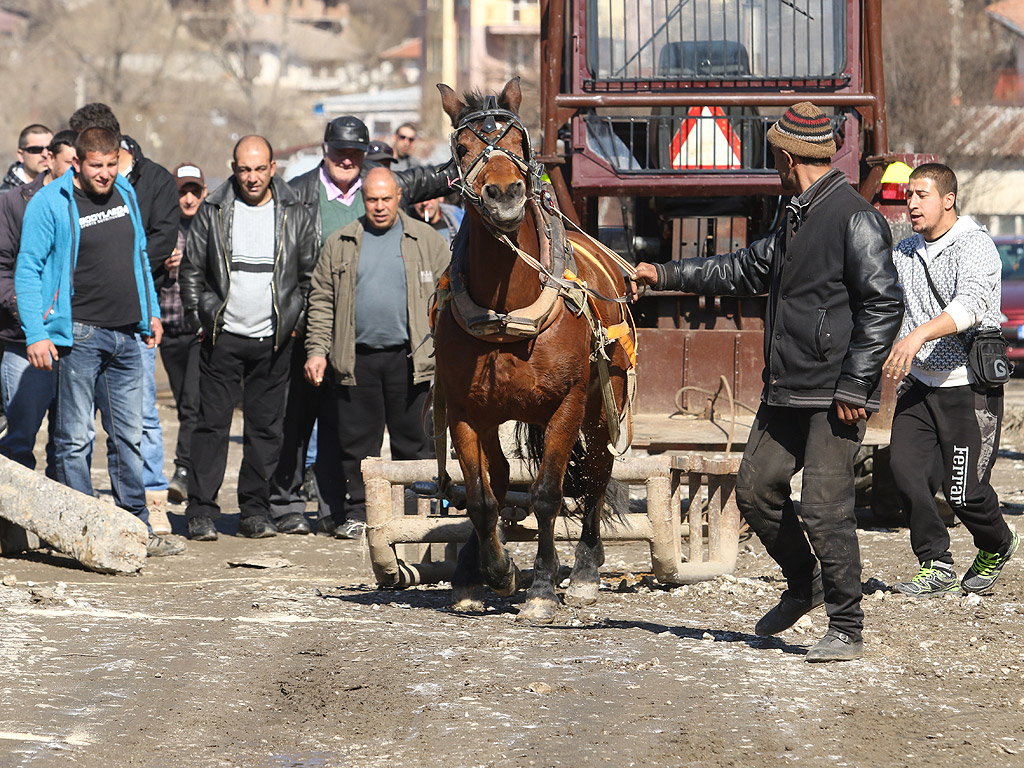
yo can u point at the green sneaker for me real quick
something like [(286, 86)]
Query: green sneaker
[(932, 580), (987, 566)]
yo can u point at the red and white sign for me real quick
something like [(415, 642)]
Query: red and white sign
[(706, 139)]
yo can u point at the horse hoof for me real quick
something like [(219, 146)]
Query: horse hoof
[(510, 585), (468, 599), (581, 594), (538, 611)]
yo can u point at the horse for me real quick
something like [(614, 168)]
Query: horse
[(521, 339)]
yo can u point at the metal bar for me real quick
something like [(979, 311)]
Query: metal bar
[(873, 50), (703, 98)]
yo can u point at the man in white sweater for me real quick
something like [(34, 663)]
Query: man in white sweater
[(945, 432)]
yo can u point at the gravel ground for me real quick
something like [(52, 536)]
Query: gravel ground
[(196, 662)]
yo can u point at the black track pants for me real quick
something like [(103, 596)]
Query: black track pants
[(948, 437)]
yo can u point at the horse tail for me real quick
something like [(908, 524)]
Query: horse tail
[(530, 447)]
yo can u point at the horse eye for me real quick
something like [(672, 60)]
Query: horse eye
[(461, 150)]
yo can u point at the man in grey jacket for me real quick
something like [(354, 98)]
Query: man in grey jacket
[(367, 309), (332, 194), (945, 432)]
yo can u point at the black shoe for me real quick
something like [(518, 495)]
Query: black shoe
[(201, 529), (836, 646), (3, 423), (256, 527), (293, 522), (790, 609), (326, 526), (350, 529), (177, 489), (160, 546)]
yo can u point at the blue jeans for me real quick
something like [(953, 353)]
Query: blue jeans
[(103, 370), (152, 436), (27, 395)]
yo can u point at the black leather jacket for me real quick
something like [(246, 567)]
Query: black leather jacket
[(205, 273), (417, 184), (834, 302)]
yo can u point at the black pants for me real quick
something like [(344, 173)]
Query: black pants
[(180, 356), (782, 441), (383, 395), (305, 405), (238, 363), (948, 437)]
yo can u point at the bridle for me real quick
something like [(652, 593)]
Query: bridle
[(499, 121)]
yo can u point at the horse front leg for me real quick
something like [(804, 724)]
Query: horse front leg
[(546, 499), (483, 558)]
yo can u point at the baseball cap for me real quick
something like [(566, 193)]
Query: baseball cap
[(347, 132), (381, 152), (189, 173)]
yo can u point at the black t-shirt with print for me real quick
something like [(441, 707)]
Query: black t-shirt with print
[(105, 292)]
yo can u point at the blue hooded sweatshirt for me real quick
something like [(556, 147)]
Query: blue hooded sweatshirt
[(44, 275)]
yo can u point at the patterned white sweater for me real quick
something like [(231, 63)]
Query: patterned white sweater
[(967, 274)]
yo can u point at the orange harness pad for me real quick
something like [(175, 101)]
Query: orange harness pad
[(623, 331)]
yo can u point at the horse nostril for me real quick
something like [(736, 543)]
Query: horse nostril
[(492, 192), (518, 189)]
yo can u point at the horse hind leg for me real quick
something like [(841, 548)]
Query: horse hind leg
[(468, 583), (585, 580), (546, 498)]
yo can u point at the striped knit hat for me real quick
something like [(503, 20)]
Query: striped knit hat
[(804, 131)]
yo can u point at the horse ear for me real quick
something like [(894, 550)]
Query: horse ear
[(451, 103), (511, 95)]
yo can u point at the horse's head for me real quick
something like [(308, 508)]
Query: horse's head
[(491, 149)]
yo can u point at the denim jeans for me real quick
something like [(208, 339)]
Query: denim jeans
[(152, 436), (103, 370), (27, 395)]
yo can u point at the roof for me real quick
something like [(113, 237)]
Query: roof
[(410, 48), (1009, 13), (983, 133), (303, 41)]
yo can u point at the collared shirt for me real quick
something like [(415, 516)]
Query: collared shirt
[(334, 191)]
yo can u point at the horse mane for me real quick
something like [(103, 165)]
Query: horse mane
[(475, 101)]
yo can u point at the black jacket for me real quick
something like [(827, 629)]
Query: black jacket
[(834, 302), (417, 184), (11, 179), (12, 211), (157, 192), (205, 272)]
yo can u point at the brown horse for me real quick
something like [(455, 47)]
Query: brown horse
[(503, 355)]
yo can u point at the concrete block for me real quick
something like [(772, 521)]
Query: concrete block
[(100, 536)]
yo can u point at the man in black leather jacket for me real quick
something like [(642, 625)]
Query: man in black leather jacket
[(834, 309), (244, 279), (332, 193)]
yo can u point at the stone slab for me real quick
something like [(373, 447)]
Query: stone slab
[(100, 536)]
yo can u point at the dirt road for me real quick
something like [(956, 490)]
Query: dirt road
[(197, 663)]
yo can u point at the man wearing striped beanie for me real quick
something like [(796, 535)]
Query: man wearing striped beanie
[(834, 309)]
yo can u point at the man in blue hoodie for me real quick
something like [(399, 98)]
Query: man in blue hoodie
[(84, 291)]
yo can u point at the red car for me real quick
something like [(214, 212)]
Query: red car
[(1011, 250)]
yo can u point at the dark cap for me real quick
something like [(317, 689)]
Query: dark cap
[(347, 132), (189, 173), (382, 153)]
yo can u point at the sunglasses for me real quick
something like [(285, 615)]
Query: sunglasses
[(407, 138), (33, 150)]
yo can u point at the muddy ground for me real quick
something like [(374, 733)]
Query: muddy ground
[(194, 662)]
